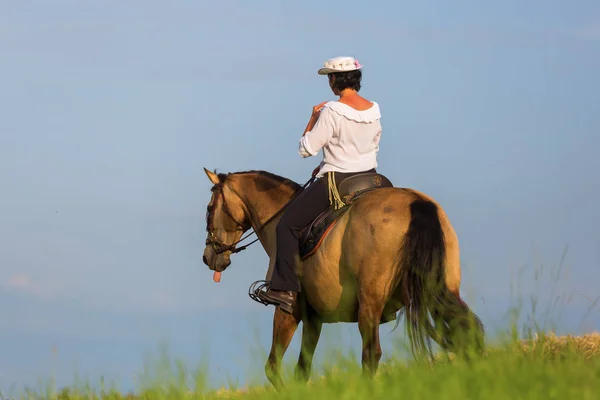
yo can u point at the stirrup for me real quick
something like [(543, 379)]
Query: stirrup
[(256, 288)]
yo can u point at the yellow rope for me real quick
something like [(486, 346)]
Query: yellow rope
[(334, 196)]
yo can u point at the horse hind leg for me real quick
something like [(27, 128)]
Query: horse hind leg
[(284, 327), (369, 315)]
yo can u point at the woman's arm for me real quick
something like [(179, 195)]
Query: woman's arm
[(314, 117), (318, 134), (311, 124)]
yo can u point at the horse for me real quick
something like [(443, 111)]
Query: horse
[(388, 250)]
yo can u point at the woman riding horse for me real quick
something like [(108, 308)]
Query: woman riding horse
[(348, 131)]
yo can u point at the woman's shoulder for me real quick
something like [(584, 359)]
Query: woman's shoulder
[(371, 114)]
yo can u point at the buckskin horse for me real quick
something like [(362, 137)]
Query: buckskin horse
[(387, 249)]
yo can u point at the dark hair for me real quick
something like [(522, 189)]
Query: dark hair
[(347, 80)]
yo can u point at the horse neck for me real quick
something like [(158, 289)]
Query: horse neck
[(261, 205)]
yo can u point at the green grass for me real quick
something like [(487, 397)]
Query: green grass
[(565, 368), (541, 366)]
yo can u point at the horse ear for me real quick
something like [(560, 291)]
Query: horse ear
[(212, 176)]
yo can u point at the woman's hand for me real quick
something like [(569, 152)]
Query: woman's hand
[(317, 109), (314, 117)]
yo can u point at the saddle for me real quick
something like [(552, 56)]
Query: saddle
[(350, 189)]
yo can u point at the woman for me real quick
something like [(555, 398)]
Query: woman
[(348, 132)]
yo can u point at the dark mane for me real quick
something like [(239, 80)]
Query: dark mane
[(263, 174), (273, 180)]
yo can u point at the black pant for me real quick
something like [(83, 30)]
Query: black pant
[(299, 214)]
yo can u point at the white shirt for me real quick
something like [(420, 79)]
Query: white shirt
[(349, 138)]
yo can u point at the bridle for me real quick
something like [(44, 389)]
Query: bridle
[(212, 239), (221, 247)]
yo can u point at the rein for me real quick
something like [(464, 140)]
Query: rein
[(221, 247)]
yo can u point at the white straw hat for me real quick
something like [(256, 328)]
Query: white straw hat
[(339, 64)]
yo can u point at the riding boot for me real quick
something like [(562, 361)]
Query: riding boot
[(285, 299)]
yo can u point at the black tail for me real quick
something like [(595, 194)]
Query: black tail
[(423, 287)]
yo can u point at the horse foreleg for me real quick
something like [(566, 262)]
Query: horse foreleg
[(369, 315), (284, 327), (311, 331)]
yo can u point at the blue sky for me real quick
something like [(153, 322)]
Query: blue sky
[(109, 111)]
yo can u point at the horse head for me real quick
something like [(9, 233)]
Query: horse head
[(226, 222)]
